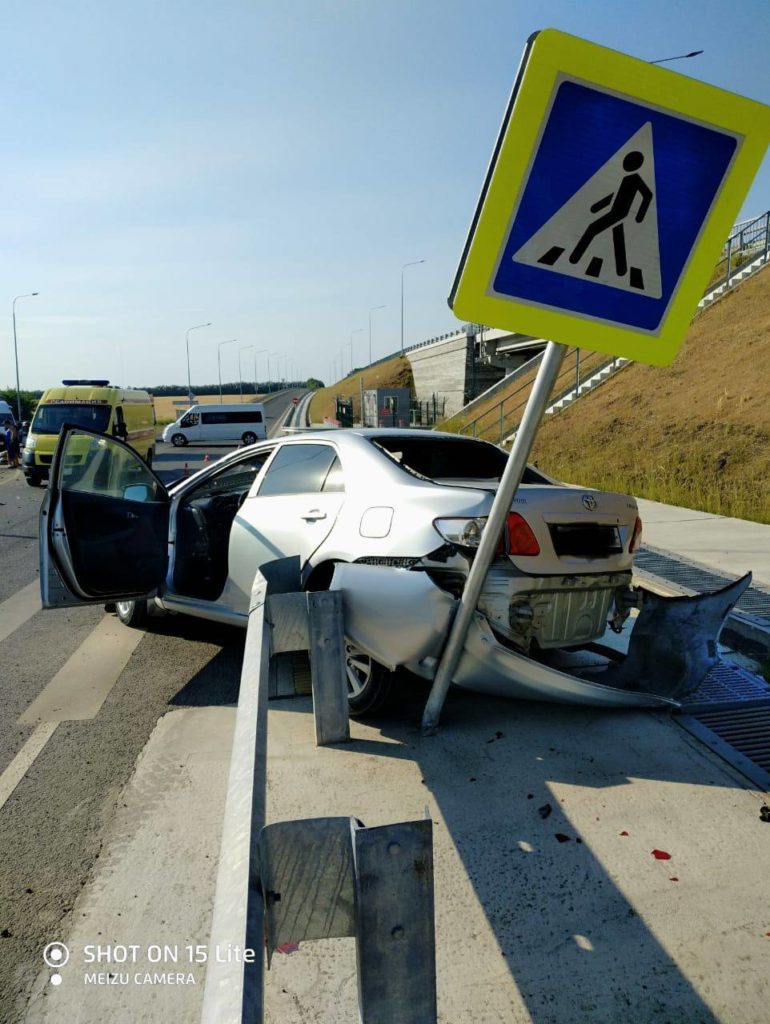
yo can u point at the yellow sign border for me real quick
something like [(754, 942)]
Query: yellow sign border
[(555, 53)]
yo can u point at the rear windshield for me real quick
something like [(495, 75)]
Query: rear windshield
[(49, 419), (441, 458)]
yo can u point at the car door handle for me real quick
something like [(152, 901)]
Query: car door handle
[(312, 515)]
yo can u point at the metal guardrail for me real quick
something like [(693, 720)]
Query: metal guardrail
[(295, 881)]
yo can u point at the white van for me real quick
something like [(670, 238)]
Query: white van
[(209, 424)]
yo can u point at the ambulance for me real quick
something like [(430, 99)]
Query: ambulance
[(117, 412)]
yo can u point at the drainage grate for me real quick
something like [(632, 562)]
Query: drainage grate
[(727, 685), (730, 713), (740, 735), (755, 601)]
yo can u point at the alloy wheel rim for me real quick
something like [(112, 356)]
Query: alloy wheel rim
[(359, 670)]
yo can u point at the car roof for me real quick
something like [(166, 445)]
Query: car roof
[(344, 434)]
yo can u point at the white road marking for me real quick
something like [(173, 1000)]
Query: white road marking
[(21, 764), (81, 685), (17, 609), (75, 693)]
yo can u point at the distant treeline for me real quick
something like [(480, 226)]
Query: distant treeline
[(180, 390)]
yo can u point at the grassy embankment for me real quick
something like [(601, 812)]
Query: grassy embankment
[(696, 433), (395, 372)]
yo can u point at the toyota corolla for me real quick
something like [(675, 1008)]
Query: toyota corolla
[(415, 500)]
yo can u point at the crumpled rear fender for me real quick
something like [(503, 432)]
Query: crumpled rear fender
[(396, 616)]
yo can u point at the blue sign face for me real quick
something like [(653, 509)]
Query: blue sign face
[(613, 204)]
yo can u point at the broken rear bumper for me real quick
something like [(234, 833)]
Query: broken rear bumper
[(400, 617)]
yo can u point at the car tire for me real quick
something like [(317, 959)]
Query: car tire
[(369, 684), (149, 457), (33, 481), (249, 437), (132, 613), (178, 440)]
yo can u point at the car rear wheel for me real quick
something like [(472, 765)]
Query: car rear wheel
[(132, 613), (178, 440), (369, 684), (249, 437), (33, 480)]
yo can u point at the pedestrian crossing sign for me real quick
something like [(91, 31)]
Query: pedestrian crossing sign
[(612, 189)]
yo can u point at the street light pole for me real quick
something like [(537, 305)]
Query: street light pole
[(358, 330), (269, 378), (257, 352), (187, 345), (682, 56), (240, 371), (413, 264), (28, 295), (372, 310), (219, 362)]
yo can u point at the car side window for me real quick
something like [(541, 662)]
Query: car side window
[(298, 469), (233, 480)]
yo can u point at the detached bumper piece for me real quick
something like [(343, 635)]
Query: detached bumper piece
[(674, 642), (400, 617)]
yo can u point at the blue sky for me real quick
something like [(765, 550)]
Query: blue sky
[(269, 167)]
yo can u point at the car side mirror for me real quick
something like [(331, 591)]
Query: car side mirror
[(137, 492)]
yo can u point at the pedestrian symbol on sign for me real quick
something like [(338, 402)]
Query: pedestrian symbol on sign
[(620, 247)]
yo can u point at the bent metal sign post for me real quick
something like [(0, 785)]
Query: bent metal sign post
[(612, 187)]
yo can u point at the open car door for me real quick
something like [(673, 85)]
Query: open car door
[(103, 523)]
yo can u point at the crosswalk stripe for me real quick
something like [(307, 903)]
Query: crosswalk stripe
[(81, 685), (23, 761), (15, 611)]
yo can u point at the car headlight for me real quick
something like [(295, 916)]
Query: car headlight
[(30, 444), (465, 532)]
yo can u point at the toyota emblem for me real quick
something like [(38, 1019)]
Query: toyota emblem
[(589, 502)]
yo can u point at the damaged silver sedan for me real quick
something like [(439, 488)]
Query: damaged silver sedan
[(391, 517)]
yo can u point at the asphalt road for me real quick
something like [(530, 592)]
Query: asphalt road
[(80, 695)]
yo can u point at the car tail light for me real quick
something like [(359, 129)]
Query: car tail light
[(636, 537), (521, 539), (465, 532)]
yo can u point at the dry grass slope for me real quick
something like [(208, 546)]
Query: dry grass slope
[(696, 433), (395, 372)]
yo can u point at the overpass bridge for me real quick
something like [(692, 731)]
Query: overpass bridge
[(457, 367)]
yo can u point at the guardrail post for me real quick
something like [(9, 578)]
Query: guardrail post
[(395, 931), (328, 668), (767, 233), (729, 255), (577, 370)]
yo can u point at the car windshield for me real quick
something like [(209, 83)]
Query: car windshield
[(457, 459), (49, 419)]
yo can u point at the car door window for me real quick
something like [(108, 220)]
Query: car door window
[(298, 469), (236, 479), (93, 465)]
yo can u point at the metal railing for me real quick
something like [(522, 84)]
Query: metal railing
[(293, 881), (497, 423), (749, 241)]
